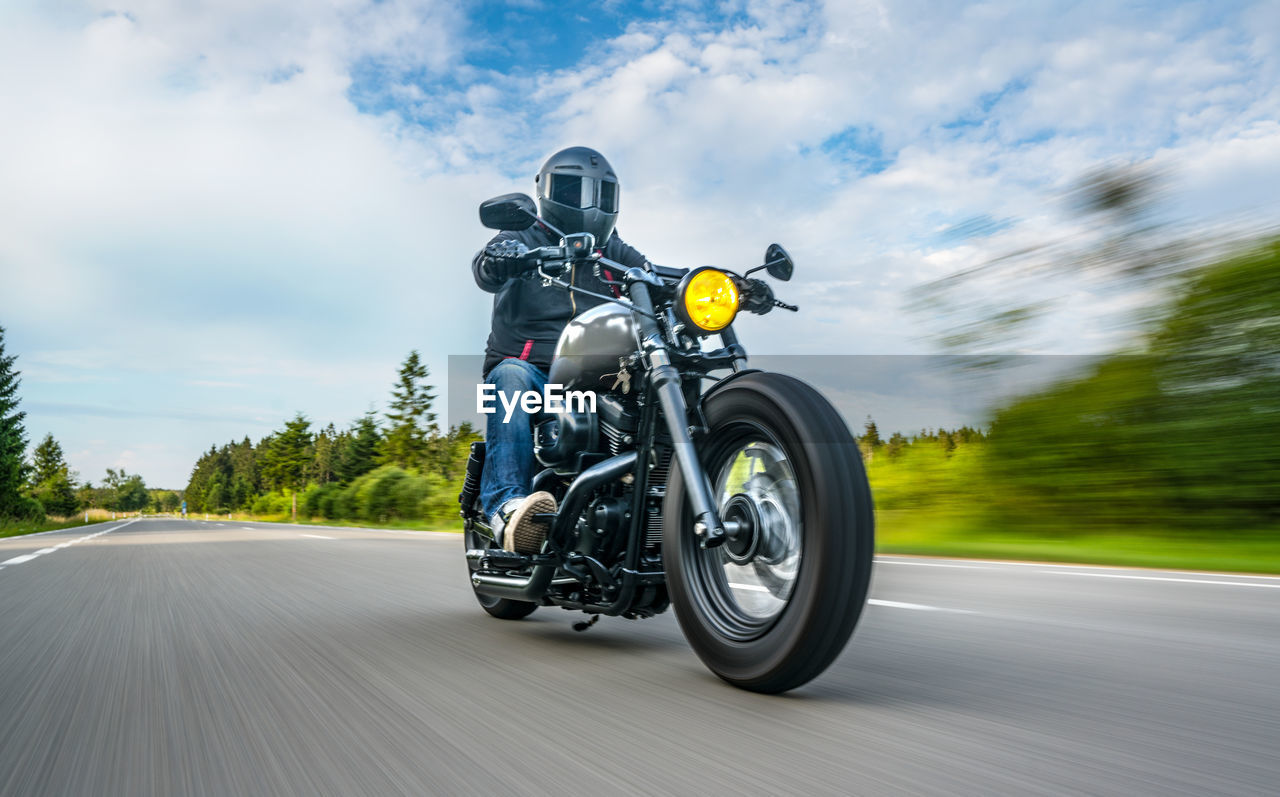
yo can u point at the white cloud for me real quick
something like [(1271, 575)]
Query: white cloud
[(191, 193)]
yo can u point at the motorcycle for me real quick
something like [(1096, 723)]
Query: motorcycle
[(743, 504)]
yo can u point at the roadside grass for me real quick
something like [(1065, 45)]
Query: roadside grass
[(921, 532), (931, 533), (400, 525), (14, 528)]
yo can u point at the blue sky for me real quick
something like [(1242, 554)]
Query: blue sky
[(215, 214)]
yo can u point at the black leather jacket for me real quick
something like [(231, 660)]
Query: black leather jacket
[(528, 317)]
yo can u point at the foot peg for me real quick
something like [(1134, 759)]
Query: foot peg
[(498, 559), (583, 626)]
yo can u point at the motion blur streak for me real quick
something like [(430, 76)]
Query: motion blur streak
[(175, 658)]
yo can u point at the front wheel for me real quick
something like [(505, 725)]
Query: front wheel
[(774, 605)]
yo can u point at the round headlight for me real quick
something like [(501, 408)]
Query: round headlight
[(707, 298)]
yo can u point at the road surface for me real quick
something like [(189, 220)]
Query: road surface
[(175, 657)]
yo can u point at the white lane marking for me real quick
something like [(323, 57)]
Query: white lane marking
[(57, 531), (1166, 578), (17, 560), (873, 601), (267, 527), (992, 564), (319, 537), (917, 606), (932, 564)]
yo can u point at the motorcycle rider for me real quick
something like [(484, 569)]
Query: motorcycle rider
[(577, 192)]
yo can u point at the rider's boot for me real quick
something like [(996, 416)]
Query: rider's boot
[(515, 526)]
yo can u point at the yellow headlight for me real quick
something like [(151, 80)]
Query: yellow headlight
[(709, 299)]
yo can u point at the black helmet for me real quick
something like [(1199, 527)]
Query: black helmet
[(578, 192)]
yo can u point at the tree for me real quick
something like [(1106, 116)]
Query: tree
[(124, 493), (358, 455), (897, 443), (870, 440), (13, 444), (1180, 436), (47, 460), (456, 450), (286, 458), (324, 467), (52, 482), (411, 423), (132, 494), (170, 501), (88, 496)]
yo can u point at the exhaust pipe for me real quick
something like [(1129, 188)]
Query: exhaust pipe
[(532, 587)]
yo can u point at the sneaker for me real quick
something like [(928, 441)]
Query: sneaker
[(499, 521), (521, 532)]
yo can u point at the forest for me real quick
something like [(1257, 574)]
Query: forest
[(399, 467), (1179, 438)]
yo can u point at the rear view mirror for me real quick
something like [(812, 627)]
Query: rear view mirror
[(778, 263), (508, 212)]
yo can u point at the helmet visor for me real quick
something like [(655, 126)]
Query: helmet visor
[(580, 192)]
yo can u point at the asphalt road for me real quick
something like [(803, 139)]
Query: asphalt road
[(179, 657)]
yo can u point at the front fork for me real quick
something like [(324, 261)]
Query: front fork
[(707, 525)]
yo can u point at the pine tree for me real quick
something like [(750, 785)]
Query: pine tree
[(359, 452), (286, 458), (411, 423), (896, 445), (13, 444), (51, 479), (871, 435), (324, 467), (47, 460)]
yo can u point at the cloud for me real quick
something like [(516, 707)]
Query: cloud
[(277, 194)]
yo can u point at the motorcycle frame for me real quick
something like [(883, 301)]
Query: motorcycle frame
[(668, 389)]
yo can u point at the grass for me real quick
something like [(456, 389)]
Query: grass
[(918, 532), (15, 528), (936, 534), (403, 525)]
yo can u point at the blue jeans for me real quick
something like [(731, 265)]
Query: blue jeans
[(508, 461)]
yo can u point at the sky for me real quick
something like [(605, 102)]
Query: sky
[(216, 214)]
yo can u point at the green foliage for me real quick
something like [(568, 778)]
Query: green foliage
[(13, 445), (384, 495), (47, 460), (272, 504), (57, 496), (336, 473), (1184, 436), (410, 421), (124, 493), (358, 448), (51, 480), (163, 501), (286, 460), (935, 470), (324, 466)]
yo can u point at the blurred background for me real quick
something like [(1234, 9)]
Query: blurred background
[(1035, 244)]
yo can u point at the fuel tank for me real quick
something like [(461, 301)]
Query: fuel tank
[(587, 354)]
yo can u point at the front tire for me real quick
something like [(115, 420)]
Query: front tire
[(772, 609)]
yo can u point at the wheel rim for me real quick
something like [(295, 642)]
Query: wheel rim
[(747, 583)]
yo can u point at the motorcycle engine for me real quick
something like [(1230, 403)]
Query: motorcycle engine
[(558, 441)]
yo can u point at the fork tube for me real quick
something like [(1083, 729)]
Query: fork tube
[(666, 382), (729, 339)]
